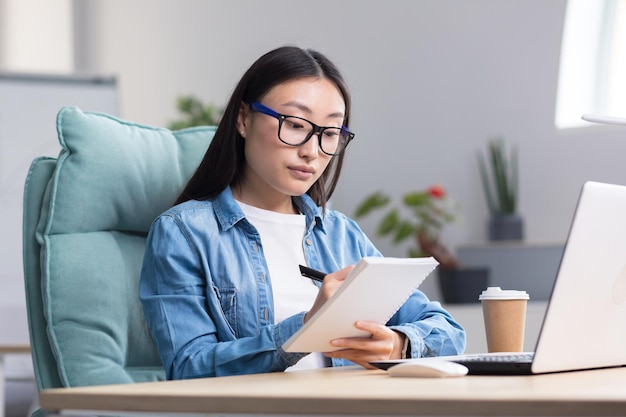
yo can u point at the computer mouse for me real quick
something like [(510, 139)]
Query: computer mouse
[(429, 368)]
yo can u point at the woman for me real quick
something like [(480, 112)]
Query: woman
[(220, 284)]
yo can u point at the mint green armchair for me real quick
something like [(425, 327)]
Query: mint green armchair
[(86, 216)]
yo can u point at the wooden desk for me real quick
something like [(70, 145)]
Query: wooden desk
[(14, 349), (360, 392)]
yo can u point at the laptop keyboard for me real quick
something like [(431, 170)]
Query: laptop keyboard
[(505, 357), (497, 364), (508, 363)]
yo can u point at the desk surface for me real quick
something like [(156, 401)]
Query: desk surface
[(14, 348), (361, 392)]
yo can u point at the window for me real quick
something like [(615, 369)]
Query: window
[(592, 74)]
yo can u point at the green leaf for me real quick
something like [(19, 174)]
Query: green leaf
[(415, 199), (513, 189), (388, 223), (372, 202), (195, 113), (500, 182), (403, 231), (498, 165), (484, 176)]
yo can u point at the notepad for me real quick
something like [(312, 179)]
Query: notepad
[(374, 290)]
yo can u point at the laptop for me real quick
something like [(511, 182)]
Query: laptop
[(584, 326)]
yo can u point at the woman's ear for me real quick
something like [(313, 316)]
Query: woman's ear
[(242, 119)]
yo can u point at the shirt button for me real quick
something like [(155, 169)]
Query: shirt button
[(263, 277), (308, 242)]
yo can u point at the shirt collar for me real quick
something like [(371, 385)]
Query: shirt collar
[(229, 212)]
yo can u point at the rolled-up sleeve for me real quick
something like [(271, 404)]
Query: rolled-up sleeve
[(431, 330)]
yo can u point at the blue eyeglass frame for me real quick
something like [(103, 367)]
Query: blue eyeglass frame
[(317, 130)]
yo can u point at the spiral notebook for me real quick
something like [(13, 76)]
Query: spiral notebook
[(374, 290)]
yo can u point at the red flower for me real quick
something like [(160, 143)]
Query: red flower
[(437, 191)]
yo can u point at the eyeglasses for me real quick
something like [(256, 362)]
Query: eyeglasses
[(296, 131)]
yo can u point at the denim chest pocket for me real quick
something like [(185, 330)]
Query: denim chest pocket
[(228, 303)]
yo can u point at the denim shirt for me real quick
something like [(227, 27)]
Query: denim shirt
[(207, 294)]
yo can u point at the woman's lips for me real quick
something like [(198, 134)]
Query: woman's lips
[(302, 172)]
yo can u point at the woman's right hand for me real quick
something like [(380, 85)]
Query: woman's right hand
[(329, 286)]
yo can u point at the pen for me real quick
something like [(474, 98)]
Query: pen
[(312, 273)]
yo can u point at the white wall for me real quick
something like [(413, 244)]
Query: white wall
[(36, 35), (432, 80)]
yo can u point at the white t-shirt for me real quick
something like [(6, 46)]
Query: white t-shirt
[(281, 237)]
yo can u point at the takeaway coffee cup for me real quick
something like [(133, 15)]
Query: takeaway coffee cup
[(504, 312)]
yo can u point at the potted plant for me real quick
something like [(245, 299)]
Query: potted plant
[(499, 175), (195, 113), (421, 216)]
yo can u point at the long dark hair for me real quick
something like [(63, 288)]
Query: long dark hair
[(224, 161)]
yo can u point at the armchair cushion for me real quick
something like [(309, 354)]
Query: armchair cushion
[(112, 178)]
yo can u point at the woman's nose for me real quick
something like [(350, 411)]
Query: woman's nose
[(311, 148)]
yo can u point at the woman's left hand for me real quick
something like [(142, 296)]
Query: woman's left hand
[(383, 344)]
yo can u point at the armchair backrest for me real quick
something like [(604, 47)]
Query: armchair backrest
[(86, 217)]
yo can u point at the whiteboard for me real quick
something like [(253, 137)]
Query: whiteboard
[(28, 107)]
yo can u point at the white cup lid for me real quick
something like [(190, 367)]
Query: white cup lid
[(497, 293)]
